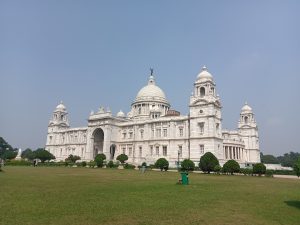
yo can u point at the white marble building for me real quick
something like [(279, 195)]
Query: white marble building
[(152, 130)]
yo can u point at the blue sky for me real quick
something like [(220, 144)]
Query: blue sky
[(92, 53)]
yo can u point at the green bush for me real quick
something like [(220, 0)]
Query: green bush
[(129, 166), (100, 156), (73, 158), (246, 171), (231, 166), (269, 173), (144, 164), (208, 162), (110, 164), (259, 168), (162, 164), (187, 165), (92, 164), (18, 163), (83, 163)]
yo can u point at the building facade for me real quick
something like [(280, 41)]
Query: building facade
[(151, 130)]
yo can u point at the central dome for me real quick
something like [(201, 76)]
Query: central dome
[(151, 92)]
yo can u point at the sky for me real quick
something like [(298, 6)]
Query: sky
[(98, 53)]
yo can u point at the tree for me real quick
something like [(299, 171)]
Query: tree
[(4, 147), (122, 158), (187, 165), (269, 159), (217, 169), (259, 168), (289, 159), (73, 158), (231, 166), (208, 162), (297, 167), (28, 154), (43, 155), (9, 154), (162, 164)]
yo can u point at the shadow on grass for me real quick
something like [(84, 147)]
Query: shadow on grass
[(293, 203)]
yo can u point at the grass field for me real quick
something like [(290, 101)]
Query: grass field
[(42, 196)]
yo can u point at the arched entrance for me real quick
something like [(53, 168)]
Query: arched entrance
[(98, 136), (112, 151)]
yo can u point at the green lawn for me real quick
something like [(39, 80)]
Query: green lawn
[(72, 196)]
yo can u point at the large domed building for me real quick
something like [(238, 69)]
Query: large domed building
[(151, 130)]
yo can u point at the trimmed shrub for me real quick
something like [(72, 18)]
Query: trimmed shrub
[(269, 173), (231, 166), (110, 164), (100, 156), (246, 171), (187, 165), (144, 164), (162, 164), (208, 162), (122, 158), (92, 164), (83, 163), (129, 166), (259, 168), (72, 158)]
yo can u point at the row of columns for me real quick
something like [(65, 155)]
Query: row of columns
[(233, 152)]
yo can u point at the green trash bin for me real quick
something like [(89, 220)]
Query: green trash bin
[(184, 178)]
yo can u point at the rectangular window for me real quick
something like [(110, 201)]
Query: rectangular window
[(165, 132), (124, 135), (140, 151), (130, 135), (201, 149), (165, 151), (180, 150), (151, 150), (158, 133), (124, 150), (181, 132), (157, 150), (142, 134), (152, 133), (130, 151), (201, 126)]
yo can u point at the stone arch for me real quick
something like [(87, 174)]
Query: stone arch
[(202, 91), (98, 136)]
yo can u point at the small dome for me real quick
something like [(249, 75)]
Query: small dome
[(61, 106), (151, 92), (121, 114), (204, 74), (246, 108)]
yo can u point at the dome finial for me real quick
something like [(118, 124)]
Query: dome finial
[(151, 71), (204, 68), (151, 77)]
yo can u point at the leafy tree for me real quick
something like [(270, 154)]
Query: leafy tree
[(9, 154), (28, 154), (217, 169), (162, 164), (4, 147), (259, 168), (73, 158), (231, 166), (43, 155), (297, 167), (187, 165), (122, 158), (289, 159), (269, 159), (208, 162)]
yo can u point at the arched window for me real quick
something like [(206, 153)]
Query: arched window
[(62, 117), (202, 91), (246, 119)]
